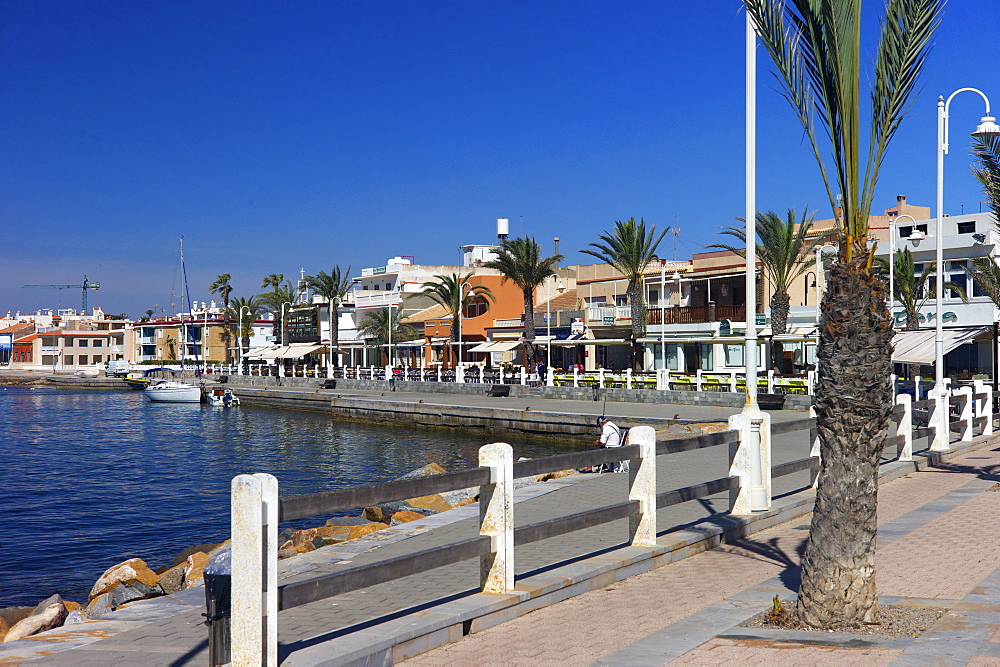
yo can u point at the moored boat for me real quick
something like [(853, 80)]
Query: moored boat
[(171, 391), (222, 398)]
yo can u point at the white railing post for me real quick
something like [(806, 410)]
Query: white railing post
[(642, 486), (984, 405), (460, 374), (697, 380), (904, 428), (740, 463), (576, 376), (810, 382), (940, 419), (815, 450), (967, 412), (524, 376), (916, 387), (600, 377), (732, 382), (496, 518), (770, 381), (254, 529), (628, 378)]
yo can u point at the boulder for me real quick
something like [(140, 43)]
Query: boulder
[(433, 502), (132, 592), (285, 535), (333, 531), (3, 628), (228, 544), (467, 501), (128, 572), (318, 542), (348, 521), (455, 497), (300, 537), (361, 531), (99, 606), (405, 516), (183, 556), (172, 580), (287, 553), (381, 513), (194, 569), (72, 606), (50, 617), (161, 569), (75, 616), (48, 602), (553, 475), (426, 471), (12, 615)]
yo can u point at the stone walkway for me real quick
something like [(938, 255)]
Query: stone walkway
[(939, 546)]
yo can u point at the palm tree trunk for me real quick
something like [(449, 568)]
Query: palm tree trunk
[(853, 405), (913, 324), (779, 325), (638, 309), (529, 328)]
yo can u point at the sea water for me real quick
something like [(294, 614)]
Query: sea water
[(91, 478)]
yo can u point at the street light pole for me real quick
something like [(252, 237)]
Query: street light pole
[(548, 324), (663, 313), (283, 304), (239, 334), (986, 127)]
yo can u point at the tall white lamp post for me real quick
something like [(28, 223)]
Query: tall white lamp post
[(987, 126), (548, 324), (462, 296), (663, 313), (892, 255), (239, 336), (759, 497)]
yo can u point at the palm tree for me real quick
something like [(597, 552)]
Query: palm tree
[(332, 287), (273, 280), (274, 301), (518, 260), (912, 290), (222, 287), (783, 252), (377, 325), (245, 310), (449, 291), (630, 249), (816, 48), (987, 153), (171, 348)]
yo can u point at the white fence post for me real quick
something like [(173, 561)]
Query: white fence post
[(733, 387), (576, 376), (940, 420), (984, 406), (810, 382), (740, 463), (770, 381), (904, 428), (642, 486), (697, 380), (628, 378), (600, 377), (524, 376), (254, 529), (967, 412), (496, 517)]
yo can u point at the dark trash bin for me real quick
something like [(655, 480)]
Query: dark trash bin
[(218, 603)]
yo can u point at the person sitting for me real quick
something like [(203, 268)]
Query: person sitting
[(611, 436)]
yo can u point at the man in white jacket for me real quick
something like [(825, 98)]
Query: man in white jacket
[(611, 436)]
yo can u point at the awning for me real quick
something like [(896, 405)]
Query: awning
[(917, 347), (293, 351), (495, 346)]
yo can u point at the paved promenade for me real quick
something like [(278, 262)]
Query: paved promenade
[(619, 629), (939, 546)]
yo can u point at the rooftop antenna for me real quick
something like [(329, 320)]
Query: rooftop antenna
[(521, 231), (556, 240)]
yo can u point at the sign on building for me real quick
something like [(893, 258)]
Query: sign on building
[(608, 320)]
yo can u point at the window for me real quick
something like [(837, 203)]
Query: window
[(734, 355), (672, 357), (957, 276), (68, 360), (83, 360), (967, 227), (98, 343), (922, 229), (705, 355), (904, 232), (83, 342)]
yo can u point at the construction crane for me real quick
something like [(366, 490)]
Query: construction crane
[(85, 286)]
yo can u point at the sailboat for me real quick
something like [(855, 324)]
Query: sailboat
[(172, 391)]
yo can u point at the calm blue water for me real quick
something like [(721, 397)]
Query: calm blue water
[(91, 478)]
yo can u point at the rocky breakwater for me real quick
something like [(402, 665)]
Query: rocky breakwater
[(133, 580)]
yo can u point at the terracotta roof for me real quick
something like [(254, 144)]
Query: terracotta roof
[(435, 312), (20, 326)]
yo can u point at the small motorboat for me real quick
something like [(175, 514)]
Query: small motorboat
[(137, 383), (171, 391), (223, 398)]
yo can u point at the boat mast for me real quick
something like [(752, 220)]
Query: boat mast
[(187, 295)]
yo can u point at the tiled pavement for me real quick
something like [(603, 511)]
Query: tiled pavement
[(939, 545)]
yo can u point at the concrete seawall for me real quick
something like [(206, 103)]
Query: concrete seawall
[(611, 395)]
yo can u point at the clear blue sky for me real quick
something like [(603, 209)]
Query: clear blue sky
[(279, 136)]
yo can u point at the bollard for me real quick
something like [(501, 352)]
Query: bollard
[(218, 604), (642, 486), (904, 428)]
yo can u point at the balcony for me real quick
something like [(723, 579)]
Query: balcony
[(508, 322), (609, 313), (695, 314), (372, 299)]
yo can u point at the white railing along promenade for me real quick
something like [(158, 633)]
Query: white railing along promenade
[(257, 598)]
